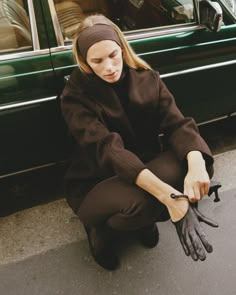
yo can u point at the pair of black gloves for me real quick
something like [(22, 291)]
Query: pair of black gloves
[(191, 233)]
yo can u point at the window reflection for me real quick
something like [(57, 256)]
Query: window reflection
[(14, 26)]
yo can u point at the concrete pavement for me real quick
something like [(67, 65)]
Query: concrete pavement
[(43, 251)]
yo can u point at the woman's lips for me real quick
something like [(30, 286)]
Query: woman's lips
[(111, 75)]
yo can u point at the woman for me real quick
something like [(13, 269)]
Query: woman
[(119, 179)]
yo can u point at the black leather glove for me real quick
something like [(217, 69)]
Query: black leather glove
[(191, 234)]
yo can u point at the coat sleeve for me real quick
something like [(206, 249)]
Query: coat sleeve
[(90, 133), (182, 132)]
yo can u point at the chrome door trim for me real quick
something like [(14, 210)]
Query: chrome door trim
[(34, 30), (156, 32), (56, 24), (61, 48), (142, 35), (27, 103), (217, 119), (197, 69), (29, 169), (16, 55)]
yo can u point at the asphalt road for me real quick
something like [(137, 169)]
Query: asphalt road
[(67, 268)]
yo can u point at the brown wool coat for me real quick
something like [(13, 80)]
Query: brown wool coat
[(114, 138)]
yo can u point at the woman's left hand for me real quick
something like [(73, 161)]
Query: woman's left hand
[(197, 181)]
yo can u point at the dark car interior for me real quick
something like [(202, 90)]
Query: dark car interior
[(127, 14)]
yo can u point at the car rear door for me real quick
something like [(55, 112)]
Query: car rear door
[(196, 65), (27, 87)]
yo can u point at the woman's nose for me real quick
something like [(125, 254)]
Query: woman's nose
[(108, 65)]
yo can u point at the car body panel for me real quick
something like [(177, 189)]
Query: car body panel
[(193, 71), (28, 116)]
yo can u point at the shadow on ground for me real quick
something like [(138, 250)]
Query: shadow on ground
[(162, 270), (31, 189)]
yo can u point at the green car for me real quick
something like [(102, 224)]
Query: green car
[(191, 43)]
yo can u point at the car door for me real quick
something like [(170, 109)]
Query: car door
[(197, 66), (195, 63), (27, 87)]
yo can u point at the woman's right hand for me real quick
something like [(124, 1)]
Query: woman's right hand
[(184, 216)]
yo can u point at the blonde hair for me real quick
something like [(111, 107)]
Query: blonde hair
[(129, 56)]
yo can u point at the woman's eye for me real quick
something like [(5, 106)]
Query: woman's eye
[(113, 54), (96, 61)]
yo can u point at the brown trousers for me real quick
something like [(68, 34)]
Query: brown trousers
[(123, 206)]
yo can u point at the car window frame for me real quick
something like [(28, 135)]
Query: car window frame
[(35, 51), (130, 35)]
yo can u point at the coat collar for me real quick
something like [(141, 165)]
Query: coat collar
[(141, 89)]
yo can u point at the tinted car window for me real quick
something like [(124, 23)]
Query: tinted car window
[(15, 30), (128, 15)]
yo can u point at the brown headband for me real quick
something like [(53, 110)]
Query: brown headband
[(96, 33)]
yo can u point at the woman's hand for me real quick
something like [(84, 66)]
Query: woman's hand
[(185, 217), (197, 182), (162, 191)]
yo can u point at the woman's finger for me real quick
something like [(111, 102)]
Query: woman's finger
[(188, 190)]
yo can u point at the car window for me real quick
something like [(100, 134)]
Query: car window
[(15, 30), (127, 14)]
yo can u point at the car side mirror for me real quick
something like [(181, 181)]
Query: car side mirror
[(211, 15)]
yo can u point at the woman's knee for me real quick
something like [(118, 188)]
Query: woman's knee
[(142, 206), (168, 168)]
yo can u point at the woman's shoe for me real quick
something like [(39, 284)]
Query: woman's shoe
[(149, 236), (102, 247)]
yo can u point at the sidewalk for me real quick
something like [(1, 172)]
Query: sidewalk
[(43, 251)]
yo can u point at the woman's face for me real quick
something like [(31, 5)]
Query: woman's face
[(105, 59)]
